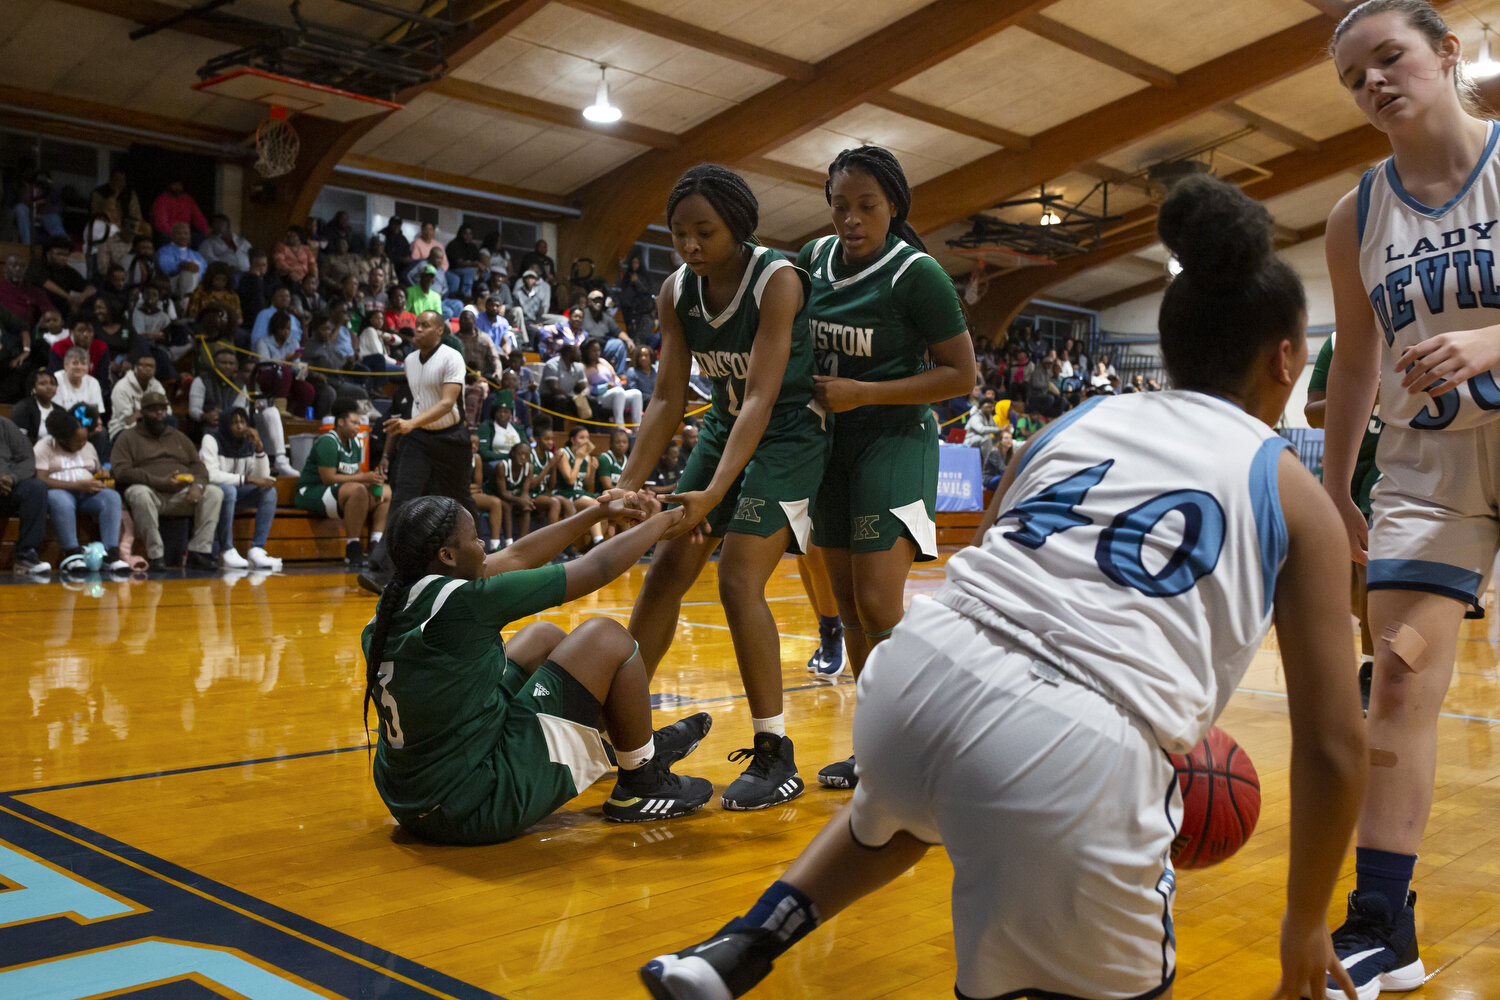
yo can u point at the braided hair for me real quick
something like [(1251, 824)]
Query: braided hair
[(418, 529), (881, 164), (726, 192)]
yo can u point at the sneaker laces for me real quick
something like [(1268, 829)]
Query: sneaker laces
[(761, 759), (1365, 927)]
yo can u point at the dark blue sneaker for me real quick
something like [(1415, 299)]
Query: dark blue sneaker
[(769, 780), (727, 965), (1379, 948)]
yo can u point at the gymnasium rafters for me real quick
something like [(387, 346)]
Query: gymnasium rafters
[(985, 101)]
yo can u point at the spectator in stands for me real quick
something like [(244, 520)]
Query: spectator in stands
[(425, 243), (15, 358), (495, 510), (77, 385), (1101, 378), (292, 259), (281, 302), (980, 430), (499, 433), (599, 323), (49, 330), (375, 258), (428, 293), (564, 381), (237, 464), (607, 389), (161, 473), (19, 296), (110, 329), (689, 441), (307, 300), (637, 300), (140, 266), (216, 289), (23, 495), (533, 297), (999, 457), (281, 380), (77, 484), (125, 398), (481, 364), (338, 228), (340, 263), (464, 260), (324, 352), (81, 335), (180, 264), (668, 470), (375, 295), (378, 348), (397, 246), (222, 246), (54, 275), (175, 205), (493, 324), (332, 483), (149, 324), (115, 291), (118, 202), (398, 318), (553, 336), (256, 287), (642, 374), (30, 414), (220, 390), (538, 260)]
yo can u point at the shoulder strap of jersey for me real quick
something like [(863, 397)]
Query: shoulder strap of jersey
[(911, 259)]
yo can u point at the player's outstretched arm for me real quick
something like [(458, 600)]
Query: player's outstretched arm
[(546, 543), (1328, 738), (609, 559)]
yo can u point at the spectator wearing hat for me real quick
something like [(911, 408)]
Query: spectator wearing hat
[(68, 465), (23, 495), (533, 296), (424, 295), (162, 473), (599, 323)]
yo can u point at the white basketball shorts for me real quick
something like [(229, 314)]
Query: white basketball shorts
[(1434, 509), (1055, 805)]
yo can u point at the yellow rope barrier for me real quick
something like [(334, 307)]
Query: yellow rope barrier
[(472, 371)]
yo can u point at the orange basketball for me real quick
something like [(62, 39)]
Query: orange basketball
[(1220, 801)]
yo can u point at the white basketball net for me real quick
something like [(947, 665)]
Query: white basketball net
[(276, 146)]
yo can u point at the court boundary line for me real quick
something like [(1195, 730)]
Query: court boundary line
[(345, 946)]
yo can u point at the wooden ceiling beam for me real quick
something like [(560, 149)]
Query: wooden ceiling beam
[(652, 23), (1101, 52), (784, 111), (1005, 174), (481, 95), (213, 25), (1334, 10), (420, 173), (943, 118), (767, 167), (107, 115), (1104, 172), (1273, 129)]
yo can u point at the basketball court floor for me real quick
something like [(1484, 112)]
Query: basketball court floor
[(187, 813)]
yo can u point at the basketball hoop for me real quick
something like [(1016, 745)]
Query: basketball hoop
[(978, 284), (276, 145)]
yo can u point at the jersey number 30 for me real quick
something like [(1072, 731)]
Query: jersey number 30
[(1119, 550)]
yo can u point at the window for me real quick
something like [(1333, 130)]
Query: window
[(411, 212), (519, 238), (332, 200), (660, 262), (482, 225)]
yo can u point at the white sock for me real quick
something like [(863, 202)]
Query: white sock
[(376, 536), (348, 540), (775, 724), (630, 760)]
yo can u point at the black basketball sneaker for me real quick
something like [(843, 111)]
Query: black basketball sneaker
[(770, 778)]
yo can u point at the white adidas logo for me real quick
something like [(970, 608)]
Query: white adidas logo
[(695, 313), (788, 787), (539, 691), (653, 806)]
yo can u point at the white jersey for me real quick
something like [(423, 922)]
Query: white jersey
[(444, 366), (1138, 552), (1430, 271)]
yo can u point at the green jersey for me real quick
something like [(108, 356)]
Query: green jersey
[(610, 466), (876, 323), (1366, 473), (721, 343), (330, 452), (443, 687)]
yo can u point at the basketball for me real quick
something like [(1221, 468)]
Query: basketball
[(1220, 801)]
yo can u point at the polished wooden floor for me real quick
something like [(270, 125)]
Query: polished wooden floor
[(234, 713)]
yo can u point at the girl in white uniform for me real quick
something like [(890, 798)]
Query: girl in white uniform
[(1119, 586), (1411, 254)]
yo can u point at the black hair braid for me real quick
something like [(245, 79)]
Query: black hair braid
[(417, 531), (881, 164), (724, 190)]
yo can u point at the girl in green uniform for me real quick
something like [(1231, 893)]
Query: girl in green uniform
[(575, 467), (479, 738), (736, 308), (881, 309)]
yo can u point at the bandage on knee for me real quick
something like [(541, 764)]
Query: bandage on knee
[(1406, 642), (1382, 758)]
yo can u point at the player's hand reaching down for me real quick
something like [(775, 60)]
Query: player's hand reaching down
[(1442, 363), (624, 508), (695, 507), (1307, 961)]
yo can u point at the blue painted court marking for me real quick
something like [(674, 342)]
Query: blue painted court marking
[(183, 770)]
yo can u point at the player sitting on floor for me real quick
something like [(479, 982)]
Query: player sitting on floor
[(480, 738)]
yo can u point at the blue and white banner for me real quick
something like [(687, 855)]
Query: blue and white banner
[(959, 486)]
